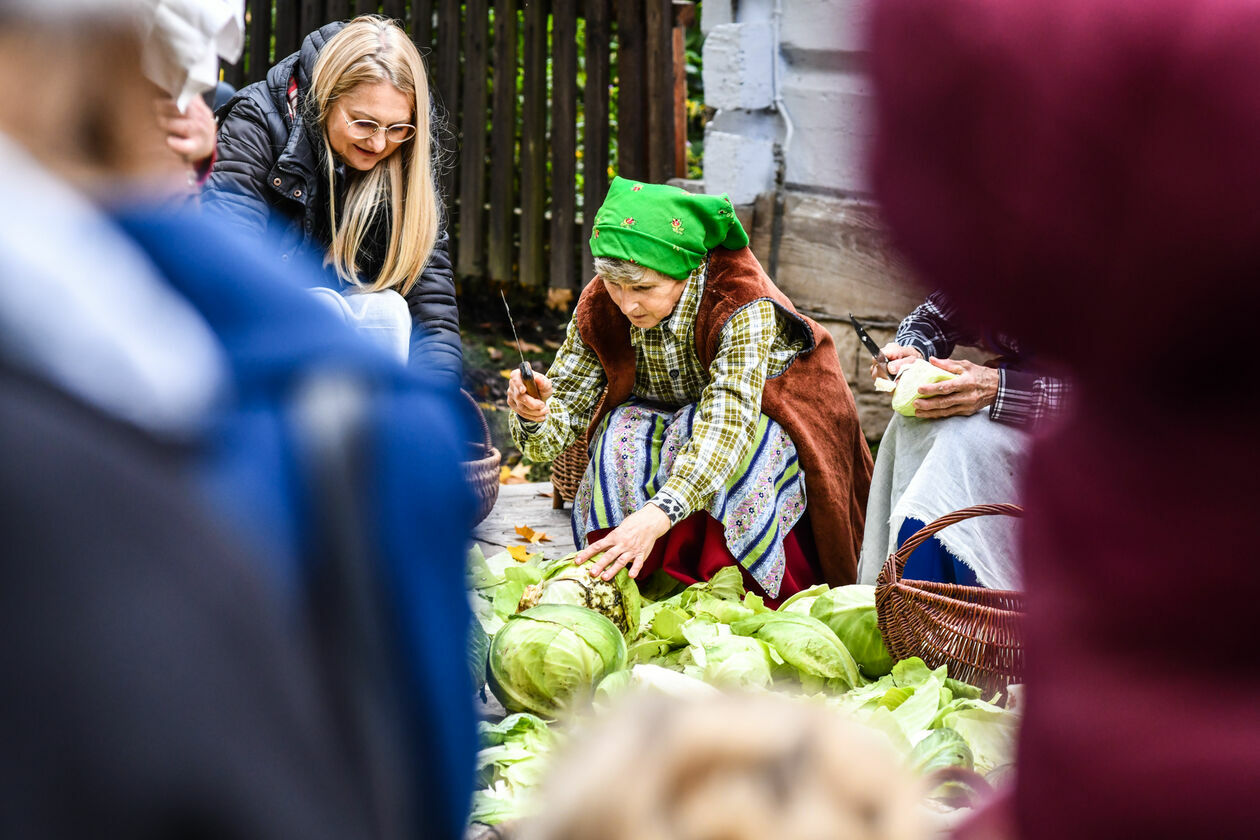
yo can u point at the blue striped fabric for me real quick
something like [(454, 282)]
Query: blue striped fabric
[(758, 505)]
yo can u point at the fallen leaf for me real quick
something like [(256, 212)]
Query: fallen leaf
[(514, 475), (531, 536), (495, 354), (526, 347), (519, 553), (552, 344), (559, 299), (506, 374)]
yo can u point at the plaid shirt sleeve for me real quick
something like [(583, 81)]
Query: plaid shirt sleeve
[(579, 382), (727, 413), (1026, 399), (932, 328)]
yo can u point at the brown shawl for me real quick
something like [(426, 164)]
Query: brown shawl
[(810, 399)]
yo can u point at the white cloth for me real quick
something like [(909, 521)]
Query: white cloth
[(928, 468), (381, 317), (82, 307), (184, 39)]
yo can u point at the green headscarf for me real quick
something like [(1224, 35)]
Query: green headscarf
[(664, 228)]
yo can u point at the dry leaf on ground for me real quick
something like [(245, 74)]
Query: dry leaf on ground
[(495, 354), (526, 347), (514, 475), (559, 299), (531, 536), (519, 553)]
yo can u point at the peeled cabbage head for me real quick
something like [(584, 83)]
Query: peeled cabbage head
[(850, 612), (805, 643), (564, 583), (920, 373), (550, 658)]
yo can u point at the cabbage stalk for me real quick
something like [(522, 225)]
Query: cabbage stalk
[(564, 583)]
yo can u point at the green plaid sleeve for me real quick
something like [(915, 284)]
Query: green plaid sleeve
[(728, 410), (579, 382)]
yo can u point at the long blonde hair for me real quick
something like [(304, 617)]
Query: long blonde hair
[(375, 49)]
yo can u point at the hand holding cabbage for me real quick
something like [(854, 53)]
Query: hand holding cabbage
[(627, 545), (973, 388)]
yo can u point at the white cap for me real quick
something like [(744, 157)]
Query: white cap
[(184, 39)]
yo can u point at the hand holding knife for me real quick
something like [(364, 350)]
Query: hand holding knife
[(527, 373), (881, 361)]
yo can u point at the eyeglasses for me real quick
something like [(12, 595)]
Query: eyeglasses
[(363, 129)]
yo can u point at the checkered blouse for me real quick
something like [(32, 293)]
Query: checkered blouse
[(755, 343)]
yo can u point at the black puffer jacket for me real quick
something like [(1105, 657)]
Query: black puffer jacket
[(268, 177)]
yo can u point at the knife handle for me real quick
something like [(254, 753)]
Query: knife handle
[(527, 379)]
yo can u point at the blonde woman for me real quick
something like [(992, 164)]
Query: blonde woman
[(332, 151)]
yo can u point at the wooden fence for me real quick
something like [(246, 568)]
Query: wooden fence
[(526, 112)]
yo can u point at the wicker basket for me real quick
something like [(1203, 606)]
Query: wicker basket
[(973, 630), (481, 471), (569, 466)]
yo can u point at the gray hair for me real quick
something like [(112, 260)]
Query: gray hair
[(620, 272)]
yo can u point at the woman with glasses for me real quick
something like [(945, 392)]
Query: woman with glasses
[(332, 151)]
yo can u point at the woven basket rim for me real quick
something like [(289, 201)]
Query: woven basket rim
[(940, 599)]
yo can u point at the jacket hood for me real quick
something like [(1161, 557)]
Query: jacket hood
[(312, 44), (300, 63)]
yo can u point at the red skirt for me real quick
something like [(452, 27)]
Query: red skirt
[(694, 549)]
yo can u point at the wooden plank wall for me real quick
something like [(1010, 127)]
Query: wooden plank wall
[(513, 153)]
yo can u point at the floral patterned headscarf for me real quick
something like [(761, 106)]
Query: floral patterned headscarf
[(664, 228)]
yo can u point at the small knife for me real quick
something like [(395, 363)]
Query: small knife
[(881, 361), (527, 372)]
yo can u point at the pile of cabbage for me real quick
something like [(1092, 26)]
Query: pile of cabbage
[(551, 643)]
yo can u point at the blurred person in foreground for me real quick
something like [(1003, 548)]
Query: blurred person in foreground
[(157, 323), (1086, 174), (964, 445), (736, 767), (710, 446), (182, 41)]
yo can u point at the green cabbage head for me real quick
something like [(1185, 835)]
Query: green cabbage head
[(850, 612), (805, 643), (941, 748), (550, 657), (737, 662), (911, 379)]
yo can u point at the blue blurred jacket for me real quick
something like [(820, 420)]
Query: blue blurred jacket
[(419, 508)]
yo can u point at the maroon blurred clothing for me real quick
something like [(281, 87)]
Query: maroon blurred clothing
[(1086, 175)]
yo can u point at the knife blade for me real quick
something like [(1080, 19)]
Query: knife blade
[(527, 372), (881, 361)]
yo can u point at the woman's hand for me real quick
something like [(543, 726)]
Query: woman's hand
[(522, 403), (628, 544), (975, 388), (191, 135), (899, 357)]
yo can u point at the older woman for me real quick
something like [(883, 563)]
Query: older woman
[(726, 434), (965, 445)]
